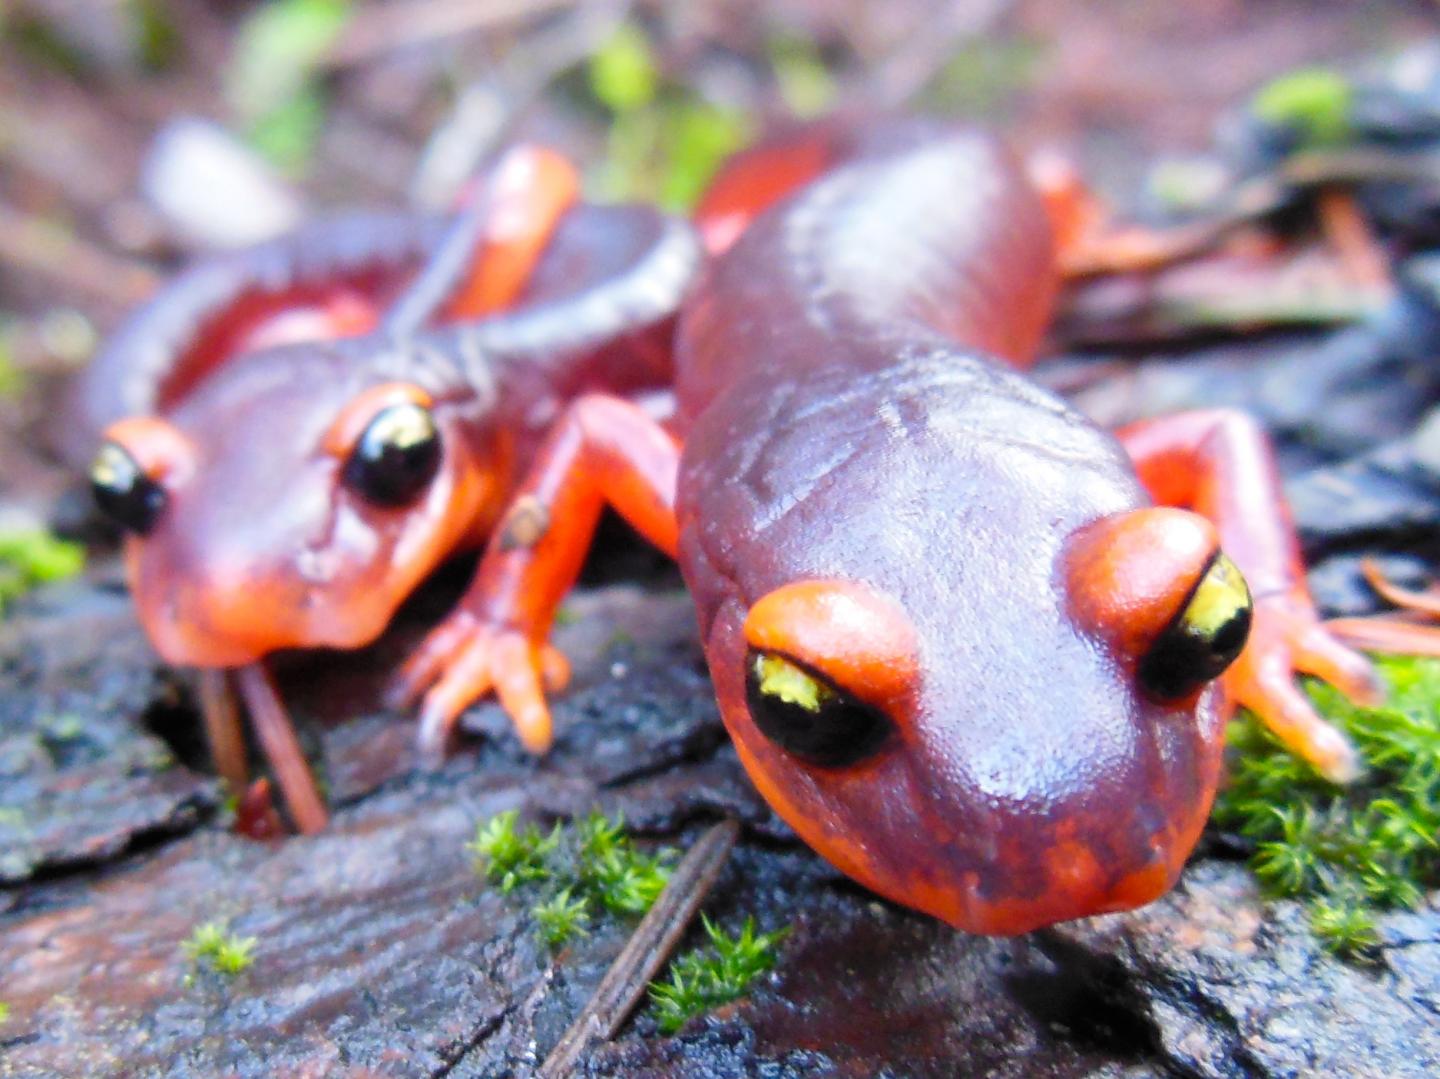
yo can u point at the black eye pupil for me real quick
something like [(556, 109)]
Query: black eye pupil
[(840, 732), (396, 457), (1180, 662), (123, 492)]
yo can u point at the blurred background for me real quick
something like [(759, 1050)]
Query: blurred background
[(136, 132)]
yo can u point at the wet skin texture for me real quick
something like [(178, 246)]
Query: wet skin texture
[(999, 803)]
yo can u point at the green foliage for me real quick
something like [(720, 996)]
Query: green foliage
[(273, 82), (665, 141), (510, 857), (1316, 103), (706, 978), (623, 73), (560, 917), (1355, 850), (210, 944), (30, 559)]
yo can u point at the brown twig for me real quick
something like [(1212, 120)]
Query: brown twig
[(282, 748), (646, 951)]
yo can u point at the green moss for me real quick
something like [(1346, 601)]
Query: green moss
[(4, 1011), (29, 559), (1315, 102), (211, 945), (708, 977), (621, 878), (509, 856), (1353, 851), (559, 918), (591, 865)]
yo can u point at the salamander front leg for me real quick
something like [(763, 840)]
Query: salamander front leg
[(1219, 464), (602, 451)]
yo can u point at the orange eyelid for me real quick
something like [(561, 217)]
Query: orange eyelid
[(356, 416), (1128, 574), (850, 633), (162, 452)]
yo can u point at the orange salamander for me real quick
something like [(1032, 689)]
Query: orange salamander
[(977, 651), (296, 435)]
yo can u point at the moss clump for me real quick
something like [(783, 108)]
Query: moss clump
[(30, 559), (621, 878), (211, 945), (591, 865), (1349, 851), (709, 977), (510, 857), (560, 918)]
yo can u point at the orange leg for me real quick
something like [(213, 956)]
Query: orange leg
[(1219, 464), (602, 450)]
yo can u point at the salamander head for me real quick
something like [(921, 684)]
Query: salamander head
[(293, 501), (979, 684)]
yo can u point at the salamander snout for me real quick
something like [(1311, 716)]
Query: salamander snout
[(303, 522), (1013, 767)]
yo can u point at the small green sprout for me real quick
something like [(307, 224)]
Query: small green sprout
[(622, 879), (561, 917), (510, 857), (1356, 850), (4, 1011), (225, 954), (703, 979), (29, 559)]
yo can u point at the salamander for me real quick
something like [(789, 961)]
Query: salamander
[(296, 435), (975, 650)]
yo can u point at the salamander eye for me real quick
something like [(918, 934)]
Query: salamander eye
[(123, 491), (396, 456), (807, 715), (1205, 639)]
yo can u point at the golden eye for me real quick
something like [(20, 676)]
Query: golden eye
[(1205, 639), (807, 715)]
